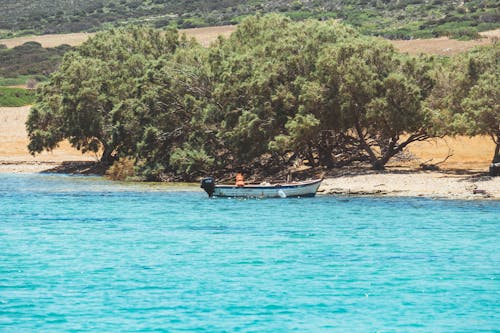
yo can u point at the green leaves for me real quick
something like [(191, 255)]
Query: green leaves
[(376, 94), (276, 92), (468, 94), (482, 105), (189, 161), (88, 94)]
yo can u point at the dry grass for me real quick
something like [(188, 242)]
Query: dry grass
[(204, 35), (49, 40), (14, 141), (466, 153), (442, 45)]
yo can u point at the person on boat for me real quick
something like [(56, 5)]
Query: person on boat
[(239, 180)]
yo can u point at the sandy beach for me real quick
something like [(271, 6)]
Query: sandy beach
[(14, 155), (412, 183)]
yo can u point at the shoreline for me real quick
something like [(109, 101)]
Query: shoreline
[(415, 183), (392, 182)]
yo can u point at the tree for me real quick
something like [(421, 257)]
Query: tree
[(482, 110), (261, 72), (377, 96), (176, 137), (466, 95), (275, 92), (92, 99)]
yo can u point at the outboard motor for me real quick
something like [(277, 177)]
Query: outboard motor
[(208, 184)]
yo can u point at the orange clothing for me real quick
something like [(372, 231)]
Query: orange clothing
[(239, 180)]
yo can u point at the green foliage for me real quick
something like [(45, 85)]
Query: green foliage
[(274, 93), (16, 96), (393, 19), (189, 161), (17, 81), (262, 69), (30, 59), (376, 92), (467, 96), (91, 99)]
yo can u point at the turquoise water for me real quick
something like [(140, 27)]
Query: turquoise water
[(82, 254)]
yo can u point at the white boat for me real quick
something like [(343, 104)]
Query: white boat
[(306, 188)]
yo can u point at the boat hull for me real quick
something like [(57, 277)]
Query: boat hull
[(294, 190)]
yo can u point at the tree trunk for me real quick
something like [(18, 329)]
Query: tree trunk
[(325, 155), (377, 164), (310, 158), (380, 163), (496, 156), (107, 157), (374, 161)]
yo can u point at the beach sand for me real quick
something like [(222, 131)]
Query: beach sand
[(412, 183)]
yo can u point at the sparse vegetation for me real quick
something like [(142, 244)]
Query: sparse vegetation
[(14, 81), (391, 19), (123, 169)]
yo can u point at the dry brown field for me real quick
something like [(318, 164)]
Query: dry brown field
[(14, 141), (204, 35), (441, 46), (444, 45), (74, 39), (467, 153)]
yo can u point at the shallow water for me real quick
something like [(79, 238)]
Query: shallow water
[(80, 254)]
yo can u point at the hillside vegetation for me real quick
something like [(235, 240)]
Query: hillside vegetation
[(276, 93), (28, 61), (392, 19)]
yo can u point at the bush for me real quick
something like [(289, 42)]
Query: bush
[(122, 169)]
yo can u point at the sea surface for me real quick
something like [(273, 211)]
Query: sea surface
[(82, 254)]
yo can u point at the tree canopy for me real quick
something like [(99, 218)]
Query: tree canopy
[(274, 93), (467, 94)]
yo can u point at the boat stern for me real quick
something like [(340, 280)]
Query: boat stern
[(208, 184)]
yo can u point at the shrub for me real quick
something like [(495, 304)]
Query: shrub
[(121, 169)]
